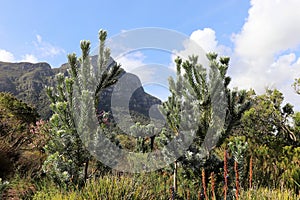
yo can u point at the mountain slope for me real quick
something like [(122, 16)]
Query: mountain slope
[(27, 81)]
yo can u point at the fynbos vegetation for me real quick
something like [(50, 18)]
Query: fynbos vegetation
[(254, 153)]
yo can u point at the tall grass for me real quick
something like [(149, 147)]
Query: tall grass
[(156, 185), (109, 187), (269, 194)]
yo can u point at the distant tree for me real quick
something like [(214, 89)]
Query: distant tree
[(268, 121), (68, 158), (143, 144), (296, 85), (270, 129), (296, 119)]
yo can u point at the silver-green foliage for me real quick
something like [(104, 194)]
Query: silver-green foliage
[(217, 108), (68, 158)]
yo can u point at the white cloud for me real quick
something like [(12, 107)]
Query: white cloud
[(200, 43), (266, 50), (271, 27), (46, 49), (205, 38), (29, 58), (283, 71), (42, 51), (6, 56), (265, 53)]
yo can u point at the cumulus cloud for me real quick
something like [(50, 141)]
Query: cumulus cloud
[(6, 56), (205, 38), (266, 50), (265, 53), (201, 42), (271, 27)]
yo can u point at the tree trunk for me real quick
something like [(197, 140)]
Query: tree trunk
[(86, 167)]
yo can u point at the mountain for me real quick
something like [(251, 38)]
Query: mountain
[(27, 81)]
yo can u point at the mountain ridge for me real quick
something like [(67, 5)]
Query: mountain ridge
[(27, 82)]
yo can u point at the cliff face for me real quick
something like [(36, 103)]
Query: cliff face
[(27, 81), (129, 95)]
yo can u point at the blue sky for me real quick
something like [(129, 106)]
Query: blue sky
[(261, 36), (64, 23)]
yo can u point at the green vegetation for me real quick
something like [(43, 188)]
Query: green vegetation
[(26, 81), (68, 159), (255, 154), (22, 139), (17, 142)]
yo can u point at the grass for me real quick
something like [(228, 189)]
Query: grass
[(109, 187), (129, 187), (269, 194), (154, 185)]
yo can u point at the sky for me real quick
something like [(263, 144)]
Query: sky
[(262, 37)]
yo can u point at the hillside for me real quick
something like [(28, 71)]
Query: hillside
[(27, 81)]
